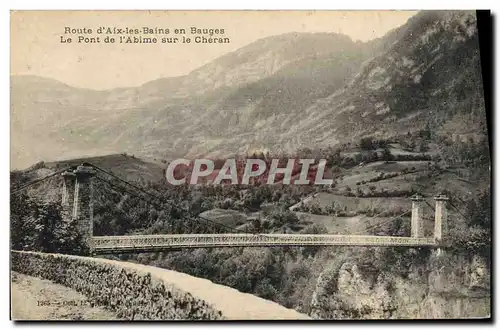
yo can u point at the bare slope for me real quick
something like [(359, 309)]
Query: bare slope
[(127, 167)]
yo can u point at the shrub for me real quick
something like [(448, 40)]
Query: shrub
[(387, 155), (366, 143)]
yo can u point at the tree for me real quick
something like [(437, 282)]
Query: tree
[(315, 208), (265, 289), (387, 155), (39, 226), (426, 132), (283, 217), (372, 189), (479, 210), (475, 238), (366, 143), (424, 146), (255, 226), (22, 221), (314, 229), (411, 145), (334, 159)]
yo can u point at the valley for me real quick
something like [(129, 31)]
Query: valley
[(294, 277), (393, 117)]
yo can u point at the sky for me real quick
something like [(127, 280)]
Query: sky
[(36, 47)]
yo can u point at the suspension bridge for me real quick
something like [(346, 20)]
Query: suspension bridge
[(78, 205)]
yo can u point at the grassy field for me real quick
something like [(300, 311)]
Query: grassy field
[(229, 218), (395, 166), (394, 148), (355, 204), (341, 225), (358, 225), (401, 183), (399, 176)]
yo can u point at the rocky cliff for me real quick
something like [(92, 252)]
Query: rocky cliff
[(446, 286)]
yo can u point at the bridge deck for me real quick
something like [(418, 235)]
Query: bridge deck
[(147, 243)]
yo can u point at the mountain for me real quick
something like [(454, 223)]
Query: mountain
[(53, 120), (279, 93), (430, 75)]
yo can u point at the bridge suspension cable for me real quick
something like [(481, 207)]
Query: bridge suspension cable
[(366, 219), (154, 202), (429, 204), (419, 192), (190, 216), (456, 175), (15, 191), (381, 223), (122, 190), (459, 212)]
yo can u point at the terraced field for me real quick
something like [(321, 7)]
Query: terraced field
[(356, 204), (392, 176), (341, 225)]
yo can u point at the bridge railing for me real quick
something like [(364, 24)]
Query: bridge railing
[(221, 240)]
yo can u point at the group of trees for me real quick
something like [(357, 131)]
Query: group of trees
[(471, 153), (470, 232), (369, 143), (38, 225)]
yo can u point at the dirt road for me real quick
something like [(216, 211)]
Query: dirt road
[(37, 299)]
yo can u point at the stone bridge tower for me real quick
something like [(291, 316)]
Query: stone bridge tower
[(417, 228), (440, 217), (77, 200)]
